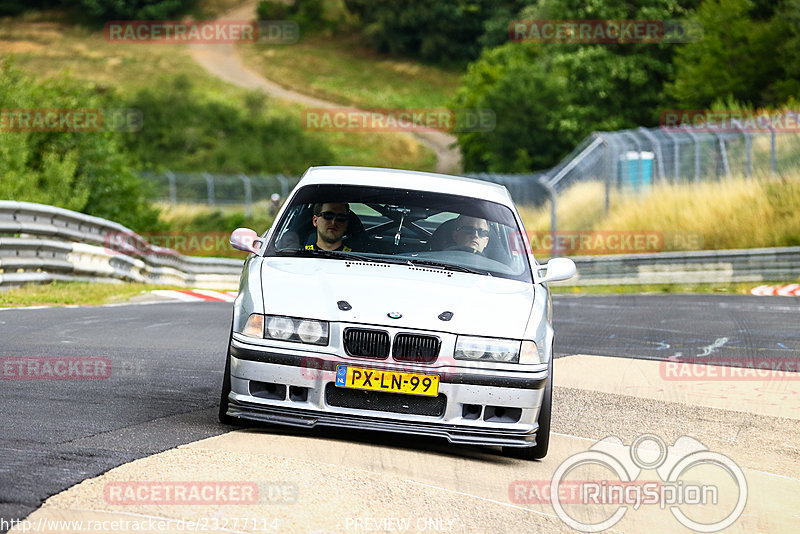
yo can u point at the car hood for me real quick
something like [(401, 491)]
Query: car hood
[(312, 287)]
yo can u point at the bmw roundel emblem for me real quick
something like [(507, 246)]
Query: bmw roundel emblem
[(394, 315)]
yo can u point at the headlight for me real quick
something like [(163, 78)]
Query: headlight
[(297, 330), (531, 355), (312, 331), (487, 349), (280, 328)]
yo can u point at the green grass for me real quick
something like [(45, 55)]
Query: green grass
[(738, 288), (48, 49), (74, 293), (338, 68), (93, 294)]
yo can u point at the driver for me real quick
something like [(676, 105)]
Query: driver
[(471, 233), (330, 219)]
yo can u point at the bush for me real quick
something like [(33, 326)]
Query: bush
[(88, 172), (185, 131), (132, 9), (308, 14)]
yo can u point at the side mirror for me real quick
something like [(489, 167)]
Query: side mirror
[(245, 239), (557, 269)]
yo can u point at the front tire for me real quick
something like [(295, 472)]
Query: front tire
[(538, 451), (224, 418)]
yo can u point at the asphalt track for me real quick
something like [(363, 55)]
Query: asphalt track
[(167, 361)]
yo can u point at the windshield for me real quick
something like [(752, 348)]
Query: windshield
[(402, 226)]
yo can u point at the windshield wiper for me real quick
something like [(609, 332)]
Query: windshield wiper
[(449, 266)]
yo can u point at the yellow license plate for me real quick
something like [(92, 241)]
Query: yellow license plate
[(348, 376)]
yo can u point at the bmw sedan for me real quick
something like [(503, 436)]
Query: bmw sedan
[(395, 301)]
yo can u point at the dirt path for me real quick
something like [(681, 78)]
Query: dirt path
[(225, 63)]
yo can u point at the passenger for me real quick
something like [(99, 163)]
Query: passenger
[(330, 219), (471, 233)]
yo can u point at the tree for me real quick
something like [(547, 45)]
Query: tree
[(745, 53), (439, 31), (549, 96)]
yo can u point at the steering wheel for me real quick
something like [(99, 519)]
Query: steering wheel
[(462, 248)]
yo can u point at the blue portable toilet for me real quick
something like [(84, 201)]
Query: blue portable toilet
[(635, 170)]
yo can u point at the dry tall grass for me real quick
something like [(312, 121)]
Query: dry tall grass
[(725, 214)]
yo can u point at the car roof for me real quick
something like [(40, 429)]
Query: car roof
[(403, 179)]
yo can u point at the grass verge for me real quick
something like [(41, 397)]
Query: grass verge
[(339, 69), (738, 288), (94, 294), (74, 293)]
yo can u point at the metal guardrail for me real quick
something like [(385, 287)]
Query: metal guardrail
[(694, 267), (45, 244)]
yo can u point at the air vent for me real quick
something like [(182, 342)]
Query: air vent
[(366, 343)]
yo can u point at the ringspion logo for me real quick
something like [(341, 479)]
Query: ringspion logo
[(692, 481)]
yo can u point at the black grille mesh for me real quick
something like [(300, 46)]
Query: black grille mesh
[(415, 348), (366, 343), (381, 401)]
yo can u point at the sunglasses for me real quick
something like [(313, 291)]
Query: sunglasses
[(469, 230), (330, 215)]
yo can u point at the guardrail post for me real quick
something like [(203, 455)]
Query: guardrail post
[(173, 193), (248, 195), (551, 192), (209, 188)]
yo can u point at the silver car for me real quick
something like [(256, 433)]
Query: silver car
[(398, 301)]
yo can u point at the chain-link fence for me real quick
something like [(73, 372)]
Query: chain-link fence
[(219, 189), (630, 160), (635, 159)]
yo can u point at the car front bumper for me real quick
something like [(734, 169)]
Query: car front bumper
[(475, 406)]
